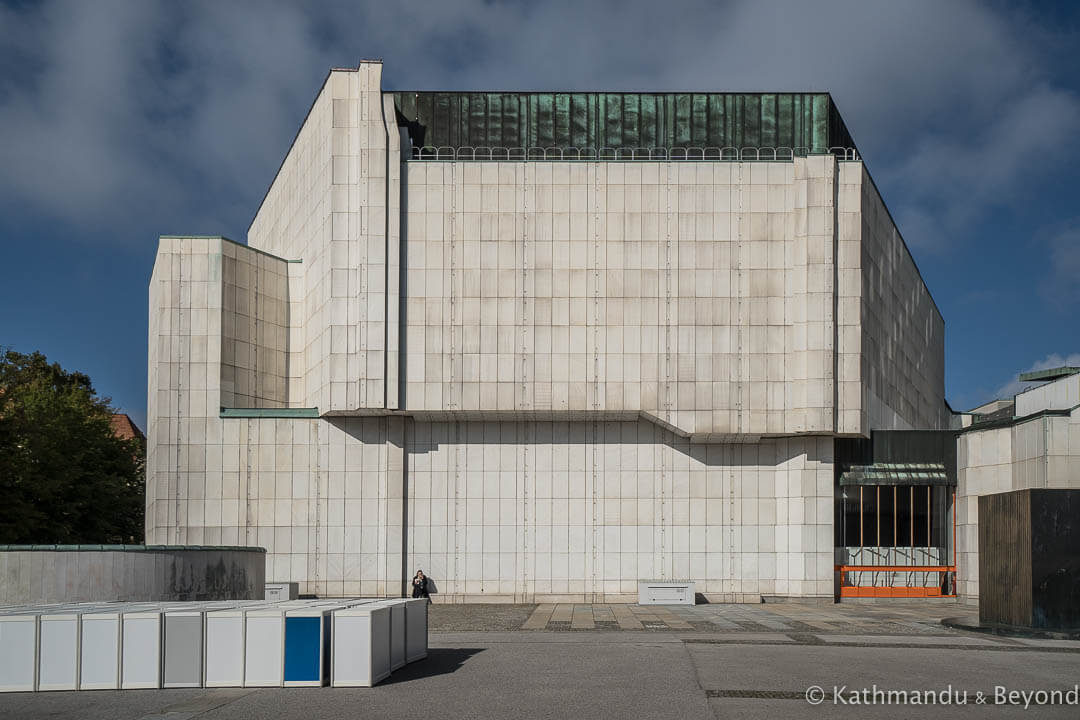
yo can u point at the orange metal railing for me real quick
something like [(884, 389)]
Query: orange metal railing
[(848, 589)]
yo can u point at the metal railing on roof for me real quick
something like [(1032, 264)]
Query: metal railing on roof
[(675, 154)]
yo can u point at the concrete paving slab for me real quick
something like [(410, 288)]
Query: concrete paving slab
[(671, 620), (626, 618), (563, 612), (582, 618), (539, 618)]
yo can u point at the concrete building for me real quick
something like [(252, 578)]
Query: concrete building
[(1029, 441), (541, 345)]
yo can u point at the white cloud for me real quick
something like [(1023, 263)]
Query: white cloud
[(129, 119), (953, 178), (1053, 360)]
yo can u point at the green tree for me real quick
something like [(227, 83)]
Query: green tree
[(65, 477)]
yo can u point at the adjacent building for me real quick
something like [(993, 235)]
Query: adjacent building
[(1029, 441), (544, 345)]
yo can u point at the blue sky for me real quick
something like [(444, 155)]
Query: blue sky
[(122, 121)]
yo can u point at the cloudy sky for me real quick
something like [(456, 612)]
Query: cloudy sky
[(122, 121)]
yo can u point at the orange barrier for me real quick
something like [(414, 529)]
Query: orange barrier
[(898, 591), (902, 591)]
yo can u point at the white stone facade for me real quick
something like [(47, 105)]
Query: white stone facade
[(1039, 447), (535, 380)]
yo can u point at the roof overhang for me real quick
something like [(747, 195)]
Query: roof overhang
[(897, 474)]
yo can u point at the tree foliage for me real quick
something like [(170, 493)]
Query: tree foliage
[(65, 477)]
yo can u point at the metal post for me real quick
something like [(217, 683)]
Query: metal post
[(956, 566), (861, 516)]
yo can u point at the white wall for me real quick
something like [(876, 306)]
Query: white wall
[(609, 366), (328, 206), (699, 293), (901, 333), (983, 465), (184, 377), (1043, 452), (581, 511), (254, 327), (1063, 394)]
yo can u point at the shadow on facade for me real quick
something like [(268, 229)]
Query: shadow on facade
[(426, 436)]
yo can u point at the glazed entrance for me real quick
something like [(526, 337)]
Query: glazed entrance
[(896, 515)]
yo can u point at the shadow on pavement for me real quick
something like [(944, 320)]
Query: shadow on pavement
[(440, 661)]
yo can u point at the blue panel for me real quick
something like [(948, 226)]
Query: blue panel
[(302, 648)]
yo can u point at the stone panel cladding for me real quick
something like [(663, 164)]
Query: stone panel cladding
[(277, 483), (1040, 451), (896, 378), (328, 205), (697, 293), (580, 511), (611, 371), (254, 327)]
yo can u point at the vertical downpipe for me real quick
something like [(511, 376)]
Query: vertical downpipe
[(179, 386), (454, 403), (836, 292), (740, 372), (668, 437), (525, 404), (386, 259), (596, 381), (317, 478)]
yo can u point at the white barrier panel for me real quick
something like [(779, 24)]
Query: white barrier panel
[(397, 631), (249, 644), (99, 651), (58, 652), (397, 634), (416, 633), (264, 632), (141, 656), (18, 652), (360, 648), (224, 643)]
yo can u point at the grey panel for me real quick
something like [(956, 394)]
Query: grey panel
[(183, 650)]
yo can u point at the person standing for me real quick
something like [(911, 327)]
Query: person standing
[(420, 585)]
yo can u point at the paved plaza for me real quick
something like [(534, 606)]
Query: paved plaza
[(628, 661)]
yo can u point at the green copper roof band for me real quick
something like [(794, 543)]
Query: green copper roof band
[(125, 548), (269, 412), (621, 120), (1049, 374)]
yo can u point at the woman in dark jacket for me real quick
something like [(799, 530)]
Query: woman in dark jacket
[(420, 585)]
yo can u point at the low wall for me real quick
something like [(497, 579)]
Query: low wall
[(81, 573)]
